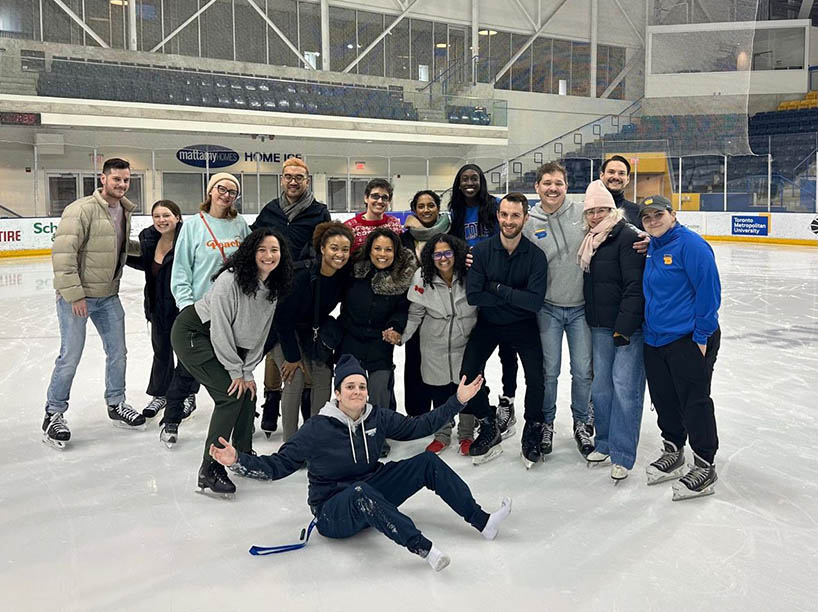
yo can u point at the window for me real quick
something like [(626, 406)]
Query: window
[(58, 27), (541, 66), (343, 40), (421, 49), (370, 26), (217, 30), (521, 69), (184, 188), (309, 31), (397, 51), (561, 66), (283, 14), (149, 24), (500, 50), (580, 69), (175, 14), (251, 35), (20, 19)]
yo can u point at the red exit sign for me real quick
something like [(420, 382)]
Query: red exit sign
[(20, 118)]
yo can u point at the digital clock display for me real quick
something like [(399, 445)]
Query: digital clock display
[(20, 118)]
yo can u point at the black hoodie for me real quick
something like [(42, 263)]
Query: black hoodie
[(160, 306)]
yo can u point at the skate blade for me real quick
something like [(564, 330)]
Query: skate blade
[(682, 493), (170, 442), (616, 481), (268, 434), (214, 495), (508, 432), (55, 444), (658, 477), (527, 462), (494, 452), (122, 425)]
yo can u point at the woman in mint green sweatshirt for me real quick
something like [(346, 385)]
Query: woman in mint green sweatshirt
[(207, 240)]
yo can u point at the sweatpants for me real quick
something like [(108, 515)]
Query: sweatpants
[(417, 397), (679, 382), (374, 502), (232, 416)]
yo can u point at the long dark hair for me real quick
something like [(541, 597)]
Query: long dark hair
[(487, 213), (379, 232), (242, 264), (427, 261)]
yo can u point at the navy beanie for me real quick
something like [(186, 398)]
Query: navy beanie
[(347, 366)]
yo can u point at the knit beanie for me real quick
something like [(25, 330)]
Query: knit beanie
[(598, 196), (347, 366), (295, 161), (222, 176)]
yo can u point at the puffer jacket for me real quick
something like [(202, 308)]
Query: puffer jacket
[(85, 254), (375, 300), (340, 452), (445, 319)]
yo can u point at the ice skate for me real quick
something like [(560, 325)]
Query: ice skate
[(123, 415), (487, 444), (213, 477), (492, 527), (169, 434), (582, 436), (532, 443), (618, 473), (505, 417), (55, 430), (669, 466), (547, 444), (698, 482), (188, 406), (437, 559), (154, 407), (596, 458), (270, 411)]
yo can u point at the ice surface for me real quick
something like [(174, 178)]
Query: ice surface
[(112, 523)]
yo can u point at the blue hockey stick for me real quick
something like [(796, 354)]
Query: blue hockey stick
[(259, 551)]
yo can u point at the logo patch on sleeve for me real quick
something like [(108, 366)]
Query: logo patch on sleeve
[(668, 259), (541, 233), (419, 289)]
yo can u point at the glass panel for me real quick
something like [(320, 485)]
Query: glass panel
[(561, 67), (342, 38), (118, 34), (19, 19), (441, 45), (175, 14), (309, 24), (217, 30), (541, 69), (58, 26), (500, 50), (184, 188), (250, 34), (422, 50), (283, 14), (370, 26), (397, 51), (616, 64), (485, 67), (457, 55), (580, 69), (149, 24), (521, 69), (358, 189), (337, 195), (62, 190), (778, 49), (708, 51)]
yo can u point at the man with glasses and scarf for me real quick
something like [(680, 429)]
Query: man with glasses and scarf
[(295, 213)]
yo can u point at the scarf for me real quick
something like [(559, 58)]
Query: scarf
[(421, 234), (595, 237), (302, 204)]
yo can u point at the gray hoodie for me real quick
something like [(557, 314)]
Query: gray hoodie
[(559, 236)]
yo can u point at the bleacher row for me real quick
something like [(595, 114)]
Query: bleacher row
[(127, 83)]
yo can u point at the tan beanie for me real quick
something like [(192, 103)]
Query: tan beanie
[(295, 161), (598, 196), (222, 176)]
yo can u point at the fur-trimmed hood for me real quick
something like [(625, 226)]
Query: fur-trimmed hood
[(394, 281)]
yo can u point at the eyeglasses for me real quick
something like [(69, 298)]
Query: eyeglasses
[(379, 196), (438, 255), (225, 191), (294, 178)]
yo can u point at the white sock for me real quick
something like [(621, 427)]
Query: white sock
[(492, 527), (437, 559)]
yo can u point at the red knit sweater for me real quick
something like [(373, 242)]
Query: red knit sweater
[(362, 228)]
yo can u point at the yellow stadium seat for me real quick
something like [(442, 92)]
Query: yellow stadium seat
[(803, 104), (812, 95)]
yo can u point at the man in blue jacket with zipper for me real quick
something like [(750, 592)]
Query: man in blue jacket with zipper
[(682, 298)]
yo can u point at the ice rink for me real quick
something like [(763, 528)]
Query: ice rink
[(112, 523)]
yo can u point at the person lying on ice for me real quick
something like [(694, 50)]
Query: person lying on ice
[(349, 489)]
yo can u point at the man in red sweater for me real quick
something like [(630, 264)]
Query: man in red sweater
[(377, 196)]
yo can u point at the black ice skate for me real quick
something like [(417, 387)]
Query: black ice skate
[(582, 435), (487, 444), (122, 415), (547, 444), (669, 466), (188, 406), (169, 434), (270, 411), (532, 443), (505, 417), (55, 430), (213, 476), (698, 482), (156, 405)]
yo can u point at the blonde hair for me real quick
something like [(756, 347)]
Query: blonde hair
[(616, 213)]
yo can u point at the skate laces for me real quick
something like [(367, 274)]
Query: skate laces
[(581, 432), (189, 405), (57, 424), (126, 412), (696, 477), (667, 460)]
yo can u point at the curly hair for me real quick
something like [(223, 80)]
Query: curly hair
[(326, 230), (428, 271), (487, 213), (379, 232), (242, 264)]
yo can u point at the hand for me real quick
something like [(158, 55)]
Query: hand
[(288, 370), (238, 385), (641, 246), (467, 391), (702, 348), (391, 336), (227, 456), (250, 385), (80, 308), (469, 259)]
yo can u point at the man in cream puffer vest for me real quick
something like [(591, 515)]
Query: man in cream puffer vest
[(90, 247)]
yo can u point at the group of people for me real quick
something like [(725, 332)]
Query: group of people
[(635, 293)]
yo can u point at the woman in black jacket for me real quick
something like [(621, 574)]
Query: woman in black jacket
[(375, 308), (172, 387), (614, 310)]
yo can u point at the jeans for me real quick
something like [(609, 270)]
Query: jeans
[(108, 317), (618, 392), (553, 321)]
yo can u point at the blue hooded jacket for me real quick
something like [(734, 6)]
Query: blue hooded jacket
[(339, 451), (682, 288)]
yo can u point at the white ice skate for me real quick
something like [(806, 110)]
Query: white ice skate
[(618, 473)]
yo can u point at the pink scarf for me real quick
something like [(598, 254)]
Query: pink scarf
[(595, 237)]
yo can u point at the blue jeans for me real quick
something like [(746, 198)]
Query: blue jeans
[(108, 317), (553, 321), (618, 392)]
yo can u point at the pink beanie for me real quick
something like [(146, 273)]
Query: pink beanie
[(598, 196)]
